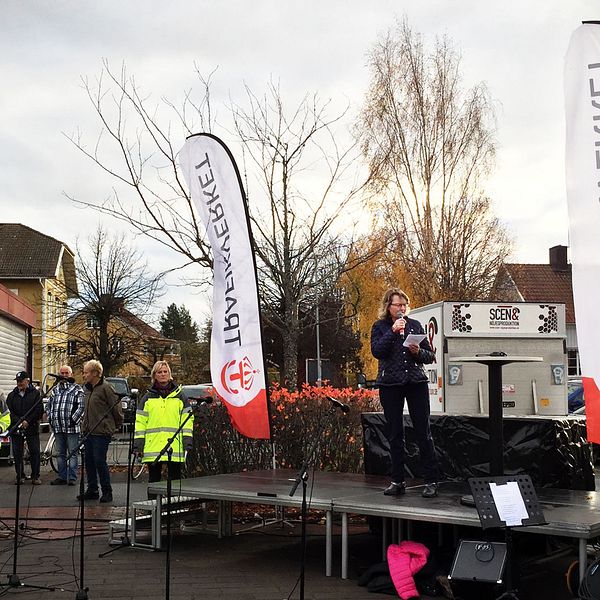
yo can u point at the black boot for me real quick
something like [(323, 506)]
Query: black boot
[(430, 490), (395, 489), (89, 495)]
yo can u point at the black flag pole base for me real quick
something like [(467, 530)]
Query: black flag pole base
[(124, 543), (82, 594), (15, 582), (511, 595)]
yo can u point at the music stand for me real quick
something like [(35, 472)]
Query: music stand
[(490, 518), (486, 507)]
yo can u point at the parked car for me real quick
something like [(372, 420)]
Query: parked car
[(362, 383), (199, 392), (575, 390), (127, 396)]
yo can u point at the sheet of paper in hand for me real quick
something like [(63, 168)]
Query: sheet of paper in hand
[(414, 338)]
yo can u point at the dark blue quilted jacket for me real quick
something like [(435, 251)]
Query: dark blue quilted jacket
[(397, 365)]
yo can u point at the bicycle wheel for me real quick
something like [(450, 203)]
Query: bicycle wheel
[(54, 456), (137, 468)]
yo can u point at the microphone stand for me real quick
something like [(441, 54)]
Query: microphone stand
[(302, 477), (125, 541), (82, 592), (168, 449), (13, 579)]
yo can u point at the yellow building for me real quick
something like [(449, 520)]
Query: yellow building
[(41, 270)]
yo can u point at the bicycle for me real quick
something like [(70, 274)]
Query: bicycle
[(137, 467), (49, 455)]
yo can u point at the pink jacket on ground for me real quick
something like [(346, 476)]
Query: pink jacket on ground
[(404, 560)]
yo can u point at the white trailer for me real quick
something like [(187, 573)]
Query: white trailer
[(456, 329)]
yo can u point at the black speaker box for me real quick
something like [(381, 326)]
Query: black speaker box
[(479, 561)]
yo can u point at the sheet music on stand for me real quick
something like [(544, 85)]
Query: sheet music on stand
[(506, 501)]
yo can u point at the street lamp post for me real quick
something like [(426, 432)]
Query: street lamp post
[(319, 370)]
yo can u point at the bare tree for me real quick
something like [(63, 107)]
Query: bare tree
[(294, 212), (303, 181), (140, 154), (429, 142), (115, 289)]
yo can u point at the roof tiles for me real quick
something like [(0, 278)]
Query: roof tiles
[(26, 253), (542, 283)]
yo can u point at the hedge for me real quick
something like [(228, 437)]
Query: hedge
[(296, 419)]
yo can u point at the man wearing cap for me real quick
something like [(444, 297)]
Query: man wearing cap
[(25, 405)]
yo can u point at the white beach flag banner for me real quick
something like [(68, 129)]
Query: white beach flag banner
[(582, 99), (236, 355)]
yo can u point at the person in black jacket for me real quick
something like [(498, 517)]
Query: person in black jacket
[(24, 401), (401, 376)]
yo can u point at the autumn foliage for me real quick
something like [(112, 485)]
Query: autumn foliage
[(365, 285), (297, 418)]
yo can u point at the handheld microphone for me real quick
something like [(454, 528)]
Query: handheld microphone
[(401, 333), (62, 377), (343, 407)]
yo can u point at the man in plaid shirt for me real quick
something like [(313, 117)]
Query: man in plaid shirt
[(65, 410)]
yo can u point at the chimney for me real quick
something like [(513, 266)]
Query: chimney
[(558, 258)]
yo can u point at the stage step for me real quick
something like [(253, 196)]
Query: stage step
[(179, 505)]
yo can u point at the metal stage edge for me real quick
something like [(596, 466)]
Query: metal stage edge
[(570, 513)]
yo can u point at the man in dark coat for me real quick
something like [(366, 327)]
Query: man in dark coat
[(102, 418), (24, 403)]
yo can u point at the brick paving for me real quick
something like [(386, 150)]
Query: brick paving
[(258, 565), (254, 566)]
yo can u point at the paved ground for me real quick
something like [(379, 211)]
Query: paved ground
[(259, 565)]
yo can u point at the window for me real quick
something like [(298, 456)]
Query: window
[(50, 309), (63, 316), (574, 368), (92, 322), (71, 348)]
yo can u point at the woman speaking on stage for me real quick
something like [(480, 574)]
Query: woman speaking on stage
[(400, 377)]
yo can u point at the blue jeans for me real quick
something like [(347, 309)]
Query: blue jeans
[(66, 443), (96, 449)]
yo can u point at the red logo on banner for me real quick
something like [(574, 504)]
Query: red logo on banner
[(238, 375), (432, 329)]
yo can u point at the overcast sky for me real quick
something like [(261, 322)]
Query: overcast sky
[(517, 47)]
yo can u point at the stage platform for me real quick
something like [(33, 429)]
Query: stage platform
[(569, 513)]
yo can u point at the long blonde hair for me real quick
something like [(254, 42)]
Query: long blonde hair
[(386, 300)]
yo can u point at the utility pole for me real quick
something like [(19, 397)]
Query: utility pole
[(319, 370)]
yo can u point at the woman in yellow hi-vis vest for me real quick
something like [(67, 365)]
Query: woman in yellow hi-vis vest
[(4, 419), (159, 414)]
